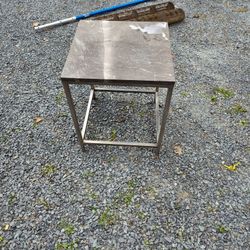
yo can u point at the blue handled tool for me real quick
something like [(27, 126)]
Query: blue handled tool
[(91, 14)]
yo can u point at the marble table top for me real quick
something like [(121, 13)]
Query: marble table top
[(120, 51)]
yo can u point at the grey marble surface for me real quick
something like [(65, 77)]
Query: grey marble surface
[(129, 51)]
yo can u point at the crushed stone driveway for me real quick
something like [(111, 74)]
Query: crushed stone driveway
[(195, 196)]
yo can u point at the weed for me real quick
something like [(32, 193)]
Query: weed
[(3, 241), (128, 197), (213, 99), (244, 123), (113, 134), (43, 203), (131, 184), (107, 218), (94, 196), (59, 97), (34, 125), (67, 227), (48, 170), (12, 199), (180, 233), (168, 224), (211, 209), (132, 105), (141, 215), (225, 93), (220, 192), (112, 159), (62, 114), (16, 130), (142, 114), (66, 246), (238, 109), (221, 229), (138, 205), (184, 94), (147, 242), (93, 209)]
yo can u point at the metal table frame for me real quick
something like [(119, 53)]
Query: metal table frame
[(160, 123)]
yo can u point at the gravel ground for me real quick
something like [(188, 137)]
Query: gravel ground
[(53, 196)]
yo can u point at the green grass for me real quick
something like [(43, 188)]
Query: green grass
[(141, 215), (213, 99), (132, 105), (211, 209), (131, 184), (1, 239), (12, 199), (222, 229), (66, 246), (113, 134), (181, 233), (43, 203), (62, 114), (112, 159), (147, 242), (238, 109), (225, 93), (3, 242), (34, 125), (16, 130), (93, 209), (244, 123), (93, 196), (48, 170), (184, 94), (59, 97), (128, 197), (142, 114), (107, 218), (67, 227)]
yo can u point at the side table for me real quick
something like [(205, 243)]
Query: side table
[(129, 54)]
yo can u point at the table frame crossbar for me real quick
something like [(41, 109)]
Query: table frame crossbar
[(160, 123)]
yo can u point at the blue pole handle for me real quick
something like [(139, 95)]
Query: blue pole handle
[(109, 9)]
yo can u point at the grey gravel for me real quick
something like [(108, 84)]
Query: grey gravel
[(124, 198)]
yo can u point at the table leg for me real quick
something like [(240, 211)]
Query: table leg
[(156, 93), (93, 87), (164, 119), (73, 113)]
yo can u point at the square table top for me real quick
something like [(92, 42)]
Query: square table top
[(120, 51)]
